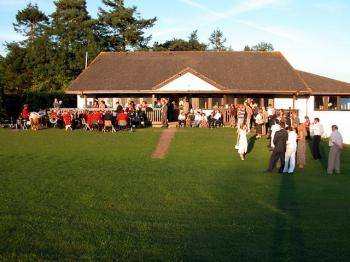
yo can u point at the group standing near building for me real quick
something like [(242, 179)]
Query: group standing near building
[(287, 136)]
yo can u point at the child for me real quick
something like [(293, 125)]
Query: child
[(242, 144)]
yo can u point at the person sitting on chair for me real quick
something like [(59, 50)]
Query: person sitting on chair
[(197, 119), (107, 116), (218, 118), (67, 120), (182, 119), (204, 121), (122, 119)]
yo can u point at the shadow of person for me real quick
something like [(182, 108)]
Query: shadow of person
[(251, 144), (288, 240)]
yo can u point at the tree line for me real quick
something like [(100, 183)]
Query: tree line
[(53, 51)]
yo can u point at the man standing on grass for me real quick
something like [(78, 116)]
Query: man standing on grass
[(249, 114), (336, 145), (317, 129), (279, 151), (164, 112)]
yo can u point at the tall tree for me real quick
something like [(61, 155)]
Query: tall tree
[(16, 77), (74, 33), (122, 26), (217, 40), (30, 21), (263, 47), (2, 110)]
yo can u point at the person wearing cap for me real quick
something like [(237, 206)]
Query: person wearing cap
[(336, 145)]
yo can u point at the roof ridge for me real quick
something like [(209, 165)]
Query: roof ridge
[(297, 74), (192, 51)]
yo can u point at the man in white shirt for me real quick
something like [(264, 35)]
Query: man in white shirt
[(217, 115), (290, 151), (218, 118), (317, 130), (270, 111), (197, 119), (336, 145), (182, 119)]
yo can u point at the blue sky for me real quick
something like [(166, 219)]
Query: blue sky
[(313, 35)]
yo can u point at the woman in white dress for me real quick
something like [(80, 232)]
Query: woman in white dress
[(242, 144)]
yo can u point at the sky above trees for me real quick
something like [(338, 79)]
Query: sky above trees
[(313, 35)]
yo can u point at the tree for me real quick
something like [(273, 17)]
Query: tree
[(263, 47), (247, 48), (194, 42), (30, 21), (16, 77), (2, 111), (217, 40), (121, 27), (73, 33), (176, 44)]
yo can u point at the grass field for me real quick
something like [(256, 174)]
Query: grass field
[(100, 196)]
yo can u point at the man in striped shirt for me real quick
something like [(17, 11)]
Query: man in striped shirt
[(240, 115)]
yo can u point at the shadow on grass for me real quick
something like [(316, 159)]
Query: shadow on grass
[(288, 239), (251, 144), (323, 152)]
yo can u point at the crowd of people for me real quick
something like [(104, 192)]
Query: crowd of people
[(187, 116), (286, 133), (287, 136), (100, 118)]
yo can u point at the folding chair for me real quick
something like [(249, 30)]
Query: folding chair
[(69, 127), (86, 126), (122, 124), (108, 126)]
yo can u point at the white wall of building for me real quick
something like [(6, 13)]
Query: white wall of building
[(283, 103), (329, 118), (81, 101), (306, 107), (188, 82)]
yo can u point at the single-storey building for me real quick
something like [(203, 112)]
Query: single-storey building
[(214, 78)]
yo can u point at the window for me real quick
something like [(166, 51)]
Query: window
[(217, 101), (345, 103), (332, 103), (203, 102), (148, 100), (319, 103)]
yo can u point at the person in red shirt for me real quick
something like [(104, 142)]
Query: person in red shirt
[(25, 112), (122, 119), (90, 119), (67, 119), (122, 116)]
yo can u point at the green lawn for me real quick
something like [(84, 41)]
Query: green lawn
[(100, 196)]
